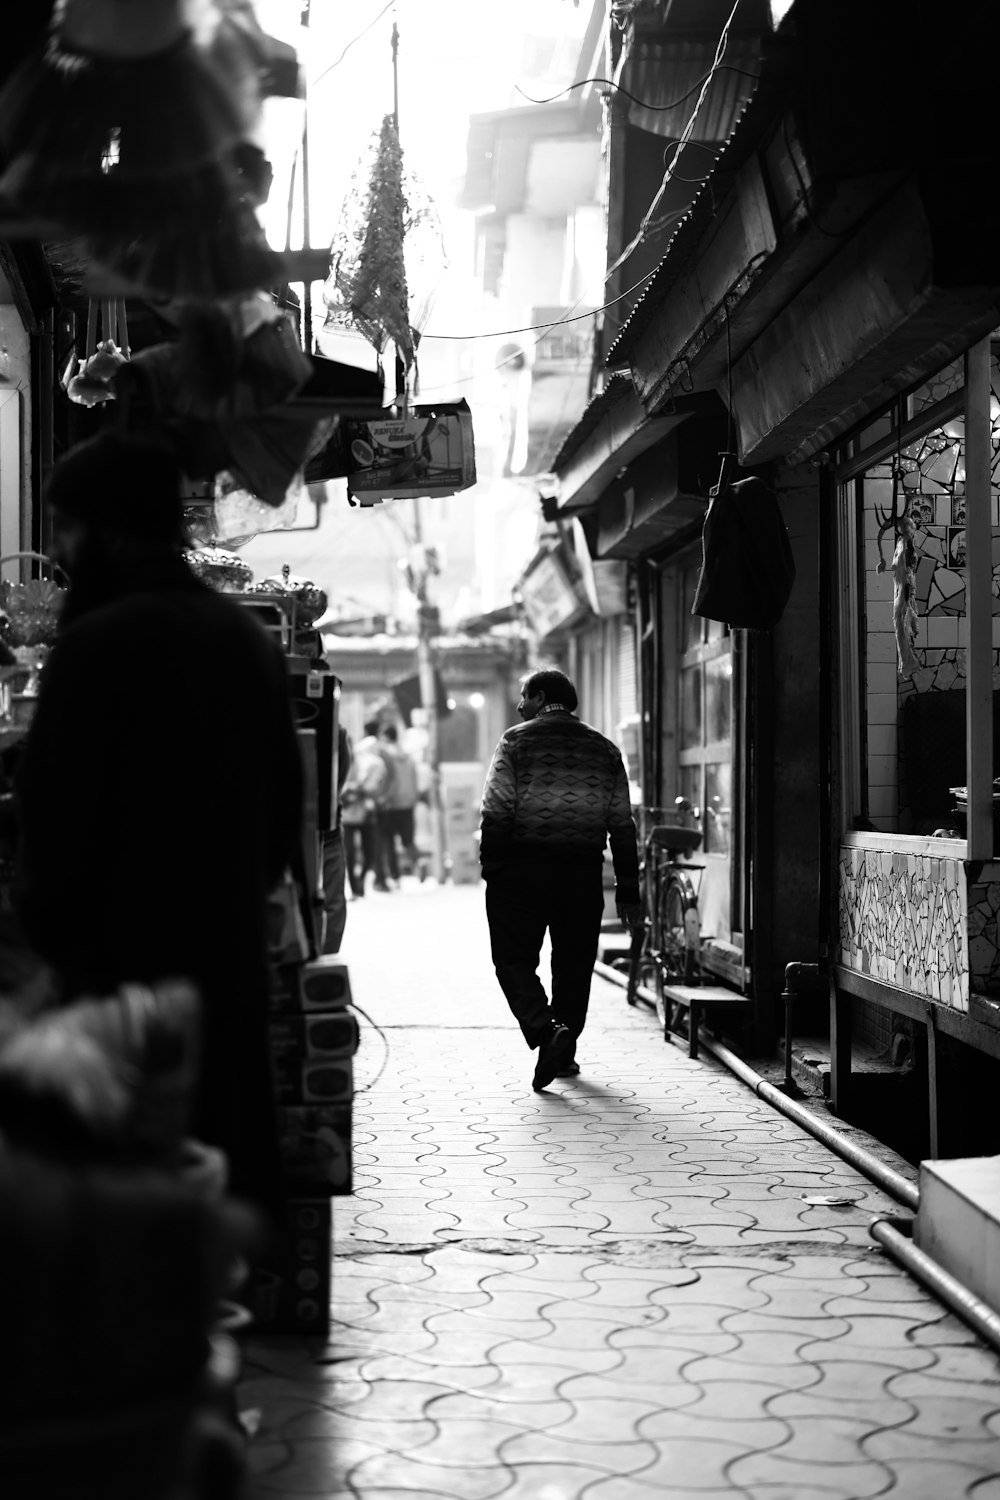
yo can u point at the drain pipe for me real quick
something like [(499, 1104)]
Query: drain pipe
[(894, 1234), (886, 1177)]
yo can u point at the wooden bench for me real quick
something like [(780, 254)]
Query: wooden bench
[(697, 998)]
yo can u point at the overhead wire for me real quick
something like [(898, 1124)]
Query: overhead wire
[(354, 39), (706, 83), (643, 103), (543, 327)]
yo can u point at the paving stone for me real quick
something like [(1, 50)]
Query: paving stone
[(610, 1290)]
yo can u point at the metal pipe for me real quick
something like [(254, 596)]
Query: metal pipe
[(889, 1233), (886, 1177), (798, 977)]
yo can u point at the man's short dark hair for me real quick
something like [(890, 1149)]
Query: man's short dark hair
[(391, 733), (127, 482), (554, 684), (371, 726)]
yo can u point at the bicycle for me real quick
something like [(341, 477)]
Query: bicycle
[(666, 949)]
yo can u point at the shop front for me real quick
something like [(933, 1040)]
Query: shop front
[(831, 288), (637, 490), (918, 634)]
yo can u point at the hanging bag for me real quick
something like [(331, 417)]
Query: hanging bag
[(747, 568)]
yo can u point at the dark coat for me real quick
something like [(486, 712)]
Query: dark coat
[(159, 799)]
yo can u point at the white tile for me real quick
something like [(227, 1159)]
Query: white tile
[(881, 646), (882, 807), (882, 708), (882, 739), (878, 588), (882, 771), (881, 678), (942, 630)]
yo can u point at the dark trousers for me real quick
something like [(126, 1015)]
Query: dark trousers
[(334, 894), (399, 823), (361, 840), (525, 899)]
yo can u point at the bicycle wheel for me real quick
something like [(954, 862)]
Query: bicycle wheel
[(675, 961)]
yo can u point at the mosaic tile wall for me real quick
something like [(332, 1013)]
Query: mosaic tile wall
[(930, 480), (984, 940), (903, 920)]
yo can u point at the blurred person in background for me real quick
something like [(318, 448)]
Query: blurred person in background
[(399, 814), (363, 793)]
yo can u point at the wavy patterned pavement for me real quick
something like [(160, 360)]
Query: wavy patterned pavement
[(613, 1290)]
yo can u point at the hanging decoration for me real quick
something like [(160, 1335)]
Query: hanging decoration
[(223, 391), (385, 259), (897, 519), (132, 132), (89, 380)]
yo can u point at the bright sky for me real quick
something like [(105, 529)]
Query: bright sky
[(456, 58)]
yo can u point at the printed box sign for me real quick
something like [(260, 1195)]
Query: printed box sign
[(315, 1146), (294, 1295), (431, 451), (312, 1080), (322, 984), (320, 1034)]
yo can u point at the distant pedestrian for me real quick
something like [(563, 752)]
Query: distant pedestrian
[(364, 797), (556, 789), (400, 812)]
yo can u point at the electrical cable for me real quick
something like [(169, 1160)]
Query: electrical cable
[(351, 43), (543, 327), (384, 1040), (685, 137), (642, 103), (830, 234)]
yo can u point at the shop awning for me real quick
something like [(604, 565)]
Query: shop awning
[(613, 431)]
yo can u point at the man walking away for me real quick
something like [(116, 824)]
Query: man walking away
[(400, 818), (555, 791)]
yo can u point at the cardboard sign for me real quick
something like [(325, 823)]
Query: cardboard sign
[(429, 451)]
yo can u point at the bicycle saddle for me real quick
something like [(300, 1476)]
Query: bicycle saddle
[(675, 836)]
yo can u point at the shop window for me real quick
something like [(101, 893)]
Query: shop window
[(706, 711), (912, 720)]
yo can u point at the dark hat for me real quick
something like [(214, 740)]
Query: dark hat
[(124, 481)]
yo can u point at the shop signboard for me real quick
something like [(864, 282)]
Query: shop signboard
[(429, 450)]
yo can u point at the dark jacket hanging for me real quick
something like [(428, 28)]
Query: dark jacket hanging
[(747, 568)]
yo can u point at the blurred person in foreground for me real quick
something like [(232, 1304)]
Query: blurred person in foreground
[(555, 791), (159, 793), (335, 856)]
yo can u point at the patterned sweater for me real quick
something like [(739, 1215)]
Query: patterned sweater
[(556, 789)]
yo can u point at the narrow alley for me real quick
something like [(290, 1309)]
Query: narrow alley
[(640, 1281)]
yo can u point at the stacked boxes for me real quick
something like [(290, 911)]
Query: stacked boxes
[(314, 1035), (292, 1294)]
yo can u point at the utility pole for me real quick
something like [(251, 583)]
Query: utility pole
[(427, 614)]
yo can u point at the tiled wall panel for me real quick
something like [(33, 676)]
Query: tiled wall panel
[(903, 921)]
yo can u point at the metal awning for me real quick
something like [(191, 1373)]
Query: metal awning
[(613, 431)]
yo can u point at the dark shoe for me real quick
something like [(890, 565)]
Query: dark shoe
[(552, 1055), (569, 1069)]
